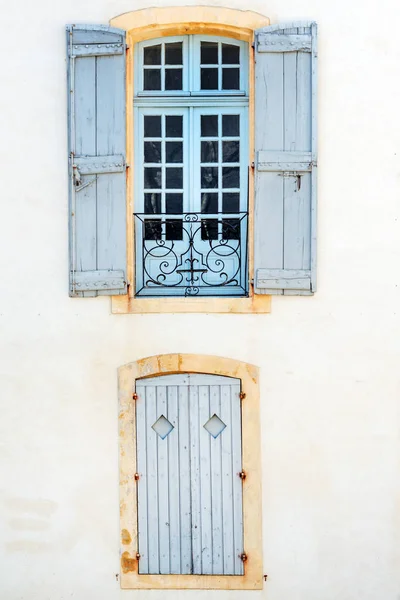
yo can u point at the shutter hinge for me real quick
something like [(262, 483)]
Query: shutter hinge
[(253, 165), (243, 475), (243, 556), (137, 556), (136, 476), (242, 395), (135, 396)]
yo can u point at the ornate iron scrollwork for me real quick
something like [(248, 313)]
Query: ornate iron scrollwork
[(192, 254)]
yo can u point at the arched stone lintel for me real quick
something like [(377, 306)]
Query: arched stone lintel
[(157, 18)]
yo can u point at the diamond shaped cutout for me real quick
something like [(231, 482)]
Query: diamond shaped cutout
[(214, 426), (162, 427)]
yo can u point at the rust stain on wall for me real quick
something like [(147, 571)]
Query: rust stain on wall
[(125, 537), (128, 564)]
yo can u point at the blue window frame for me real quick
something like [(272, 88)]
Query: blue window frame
[(191, 167)]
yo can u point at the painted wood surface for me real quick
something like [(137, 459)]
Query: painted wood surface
[(97, 134), (190, 509), (174, 366), (285, 198)]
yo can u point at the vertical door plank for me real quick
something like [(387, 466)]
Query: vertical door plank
[(237, 482), (216, 485), (163, 485), (141, 457), (227, 481), (303, 104), (195, 478), (184, 480), (205, 481), (152, 481), (174, 480)]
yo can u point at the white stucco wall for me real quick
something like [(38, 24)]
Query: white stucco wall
[(329, 364)]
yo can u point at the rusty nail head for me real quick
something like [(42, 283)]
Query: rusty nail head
[(135, 396), (137, 555), (243, 556), (137, 476), (242, 395), (242, 474), (265, 577)]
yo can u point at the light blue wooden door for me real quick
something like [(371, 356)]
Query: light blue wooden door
[(189, 460)]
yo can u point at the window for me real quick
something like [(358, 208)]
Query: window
[(217, 210), (190, 473), (191, 167)]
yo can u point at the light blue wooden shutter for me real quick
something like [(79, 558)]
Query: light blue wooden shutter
[(96, 127), (286, 159), (189, 460)]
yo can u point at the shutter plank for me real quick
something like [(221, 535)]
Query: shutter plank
[(141, 454), (184, 477), (236, 420), (216, 486), (297, 211), (164, 484), (205, 481), (84, 244), (152, 482), (195, 479), (111, 247), (227, 482), (174, 483)]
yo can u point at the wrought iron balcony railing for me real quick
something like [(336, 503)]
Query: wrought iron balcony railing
[(191, 254)]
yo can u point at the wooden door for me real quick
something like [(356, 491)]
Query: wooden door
[(189, 460)]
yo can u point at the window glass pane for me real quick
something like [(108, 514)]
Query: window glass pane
[(152, 55), (209, 202), (209, 177), (173, 53), (152, 230), (174, 178), (209, 79), (230, 54), (173, 229), (209, 152), (230, 177), (209, 53), (209, 229), (230, 202), (152, 178), (230, 125), (174, 203), (152, 79), (230, 151), (173, 126), (230, 79), (173, 79), (152, 203), (152, 126), (152, 152), (231, 229), (209, 126), (174, 152)]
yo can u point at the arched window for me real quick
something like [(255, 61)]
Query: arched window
[(191, 182)]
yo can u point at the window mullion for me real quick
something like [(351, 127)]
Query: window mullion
[(191, 141)]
